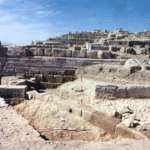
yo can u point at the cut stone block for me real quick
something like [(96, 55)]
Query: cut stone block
[(105, 91), (33, 51), (92, 54), (75, 54), (121, 92), (58, 52), (47, 51), (41, 51), (68, 53), (147, 91), (136, 91), (53, 78), (83, 54), (68, 78)]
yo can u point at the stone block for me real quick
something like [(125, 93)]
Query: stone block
[(33, 51), (47, 51), (41, 51), (105, 91), (69, 72), (136, 91), (27, 52), (114, 48), (147, 91), (92, 54), (58, 52), (123, 50), (68, 78), (121, 92), (76, 54), (38, 77), (68, 53), (83, 54), (53, 78), (107, 55), (55, 85), (140, 51), (46, 85)]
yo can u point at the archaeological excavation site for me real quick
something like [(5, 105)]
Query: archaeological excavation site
[(81, 86)]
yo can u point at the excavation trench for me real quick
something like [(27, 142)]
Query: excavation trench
[(41, 114)]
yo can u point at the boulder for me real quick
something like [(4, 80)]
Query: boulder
[(132, 64)]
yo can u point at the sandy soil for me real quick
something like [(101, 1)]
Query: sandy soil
[(17, 134)]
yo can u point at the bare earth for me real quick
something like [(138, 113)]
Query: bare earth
[(17, 134)]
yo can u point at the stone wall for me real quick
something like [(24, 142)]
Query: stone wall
[(114, 91)]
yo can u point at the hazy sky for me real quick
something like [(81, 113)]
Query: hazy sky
[(22, 21)]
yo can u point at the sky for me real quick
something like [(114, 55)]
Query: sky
[(22, 21)]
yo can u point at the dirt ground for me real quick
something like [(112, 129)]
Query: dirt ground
[(17, 134)]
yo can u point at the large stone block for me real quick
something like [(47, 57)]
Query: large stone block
[(41, 51), (83, 54), (114, 48), (58, 52), (92, 54), (47, 51), (76, 54), (68, 53), (33, 51), (147, 91), (106, 91), (68, 78), (136, 91), (53, 78), (121, 92)]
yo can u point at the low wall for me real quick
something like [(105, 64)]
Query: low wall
[(113, 91)]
